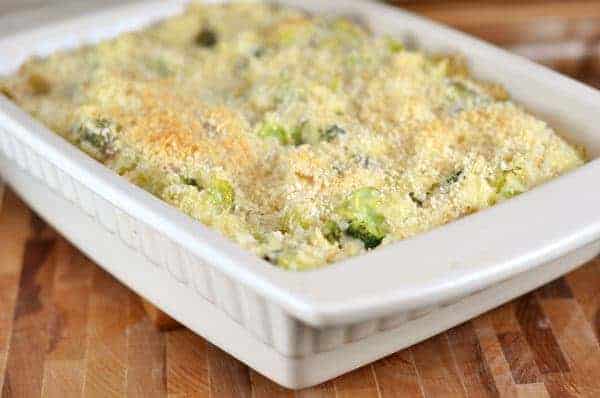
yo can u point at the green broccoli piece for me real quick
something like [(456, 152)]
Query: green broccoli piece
[(98, 137), (283, 135), (446, 183), (371, 232), (332, 132), (418, 201), (271, 130), (294, 218), (365, 222), (453, 178), (206, 38), (221, 194), (125, 163), (191, 181), (394, 46), (461, 90), (509, 184), (332, 232)]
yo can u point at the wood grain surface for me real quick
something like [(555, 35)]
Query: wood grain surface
[(564, 35), (68, 329)]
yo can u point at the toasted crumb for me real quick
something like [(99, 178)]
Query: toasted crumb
[(304, 139)]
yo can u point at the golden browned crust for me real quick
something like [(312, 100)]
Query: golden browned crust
[(303, 139)]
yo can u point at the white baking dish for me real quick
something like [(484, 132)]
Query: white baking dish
[(303, 328)]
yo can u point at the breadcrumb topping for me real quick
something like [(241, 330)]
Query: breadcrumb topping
[(304, 139)]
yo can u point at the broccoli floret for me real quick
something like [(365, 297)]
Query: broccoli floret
[(259, 52), (365, 222), (294, 218), (271, 130), (221, 193), (454, 177), (394, 46), (332, 132), (298, 259), (332, 232), (415, 199), (98, 137), (461, 90), (444, 186), (206, 38), (125, 163), (283, 135), (509, 184), (371, 232), (191, 181), (39, 84)]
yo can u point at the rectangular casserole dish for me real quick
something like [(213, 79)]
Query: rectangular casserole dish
[(302, 328)]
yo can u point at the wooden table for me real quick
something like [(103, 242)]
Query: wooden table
[(67, 328)]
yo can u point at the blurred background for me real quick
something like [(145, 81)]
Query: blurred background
[(563, 34)]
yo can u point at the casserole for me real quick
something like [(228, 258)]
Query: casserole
[(309, 143), (300, 329)]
